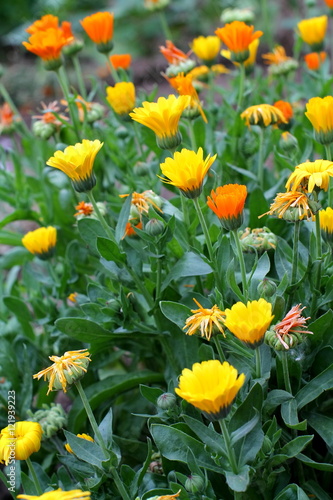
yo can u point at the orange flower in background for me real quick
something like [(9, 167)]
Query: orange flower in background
[(84, 208), (278, 56), (172, 54), (227, 202), (286, 109), (99, 28), (130, 229), (184, 86), (47, 45), (315, 59), (6, 115), (238, 36), (43, 24), (48, 114), (329, 3), (121, 61)]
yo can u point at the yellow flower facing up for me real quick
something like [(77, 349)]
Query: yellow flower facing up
[(65, 370), (18, 441), (263, 115), (208, 321), (211, 386), (206, 48), (187, 170), (311, 175), (77, 162), (320, 113), (121, 97), (82, 436), (163, 118), (59, 494), (313, 31), (41, 242), (249, 322), (326, 221)]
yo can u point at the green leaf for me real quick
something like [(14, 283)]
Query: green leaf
[(275, 398), (109, 250), (84, 330), (323, 425), (20, 215), (85, 450), (123, 219), (315, 387), (190, 264), (18, 307), (320, 326), (105, 428), (208, 435), (244, 429), (151, 394), (318, 492), (292, 492), (175, 312), (90, 230), (239, 482), (258, 205), (10, 238), (231, 280), (290, 415), (315, 465), (290, 450)]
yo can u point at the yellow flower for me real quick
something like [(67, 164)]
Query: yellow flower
[(263, 115), (206, 47), (184, 86), (163, 117), (168, 497), (320, 113), (207, 320), (211, 386), (326, 220), (72, 297), (41, 242), (311, 175), (83, 436), (187, 170), (121, 97), (59, 494), (65, 370), (313, 31), (18, 441), (249, 322), (77, 162), (292, 206)]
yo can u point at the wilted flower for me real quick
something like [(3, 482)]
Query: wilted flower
[(184, 86), (238, 36), (227, 202), (206, 48), (206, 320), (314, 60), (82, 436), (179, 62), (211, 386), (19, 440), (99, 28), (278, 61), (130, 229), (320, 113), (41, 242), (84, 208), (142, 201), (260, 239), (289, 332), (263, 115), (313, 31), (121, 61), (59, 494), (311, 175), (121, 97), (292, 206)]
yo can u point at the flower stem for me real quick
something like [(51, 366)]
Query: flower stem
[(227, 442), (34, 477), (317, 279), (99, 215), (219, 348), (328, 154), (112, 69), (165, 26), (258, 362), (192, 135), (79, 76), (62, 78), (241, 86), (285, 369), (260, 173), (119, 484), (294, 261), (205, 229), (241, 263)]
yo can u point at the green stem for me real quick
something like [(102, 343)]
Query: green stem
[(7, 98), (137, 140), (158, 278), (258, 362), (35, 479), (229, 448), (241, 263), (79, 76), (319, 257), (219, 348), (112, 69), (119, 484), (165, 26), (260, 172), (285, 369), (205, 229), (241, 86), (186, 215), (192, 135), (294, 264), (100, 217), (62, 78), (329, 158), (141, 286)]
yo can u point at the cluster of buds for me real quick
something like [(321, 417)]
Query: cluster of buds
[(230, 15), (259, 239), (52, 418), (156, 464)]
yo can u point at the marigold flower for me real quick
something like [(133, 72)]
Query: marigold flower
[(311, 175), (121, 97), (99, 28), (237, 36), (163, 117), (49, 112), (250, 61), (187, 170), (18, 441), (289, 332), (72, 297), (314, 60), (207, 320), (249, 322), (313, 31), (263, 115), (142, 201), (184, 86), (329, 3), (326, 220), (43, 24), (286, 108), (7, 119), (47, 45), (278, 61), (59, 494), (84, 208), (172, 54), (130, 229), (206, 48), (77, 162), (292, 206), (227, 202), (65, 370), (211, 386), (41, 242), (121, 61), (320, 113), (82, 436)]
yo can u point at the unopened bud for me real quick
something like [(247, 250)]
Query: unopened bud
[(121, 132), (288, 142), (43, 130), (194, 484), (154, 227), (166, 401), (266, 288)]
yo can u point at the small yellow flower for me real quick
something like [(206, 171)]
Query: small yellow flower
[(249, 322), (311, 175), (292, 206), (77, 162), (207, 320), (313, 31), (65, 370), (211, 386), (320, 113), (187, 170), (326, 220), (18, 441), (59, 494), (83, 436), (41, 242), (263, 115), (121, 97), (206, 47), (72, 297), (163, 118)]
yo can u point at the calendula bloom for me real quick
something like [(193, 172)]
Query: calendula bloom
[(227, 202), (187, 170), (278, 61), (47, 45), (211, 386), (49, 112), (314, 60), (99, 28), (326, 222), (41, 242), (130, 229), (43, 24), (206, 48), (121, 97), (19, 440), (72, 297), (237, 36), (313, 31), (7, 119), (183, 84), (142, 201), (329, 3), (293, 206), (250, 61), (82, 436), (179, 62), (65, 370), (84, 208), (208, 321), (249, 322), (59, 494), (311, 175), (286, 108), (289, 332), (263, 115), (77, 162), (121, 61), (320, 113), (163, 118)]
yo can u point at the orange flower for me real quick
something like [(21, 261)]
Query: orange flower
[(285, 108), (99, 28), (237, 36), (315, 59), (6, 115), (227, 202), (130, 229), (172, 54), (289, 331), (278, 56), (184, 86), (43, 24), (47, 45), (48, 114), (329, 3), (84, 208), (121, 61)]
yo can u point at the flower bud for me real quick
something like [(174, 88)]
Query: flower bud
[(166, 401), (288, 142), (291, 340), (261, 239), (43, 130), (106, 47), (73, 48), (194, 483), (95, 113), (52, 418), (183, 67), (156, 464), (154, 227), (141, 169), (266, 288), (266, 446), (52, 64), (230, 15), (121, 132), (249, 145)]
